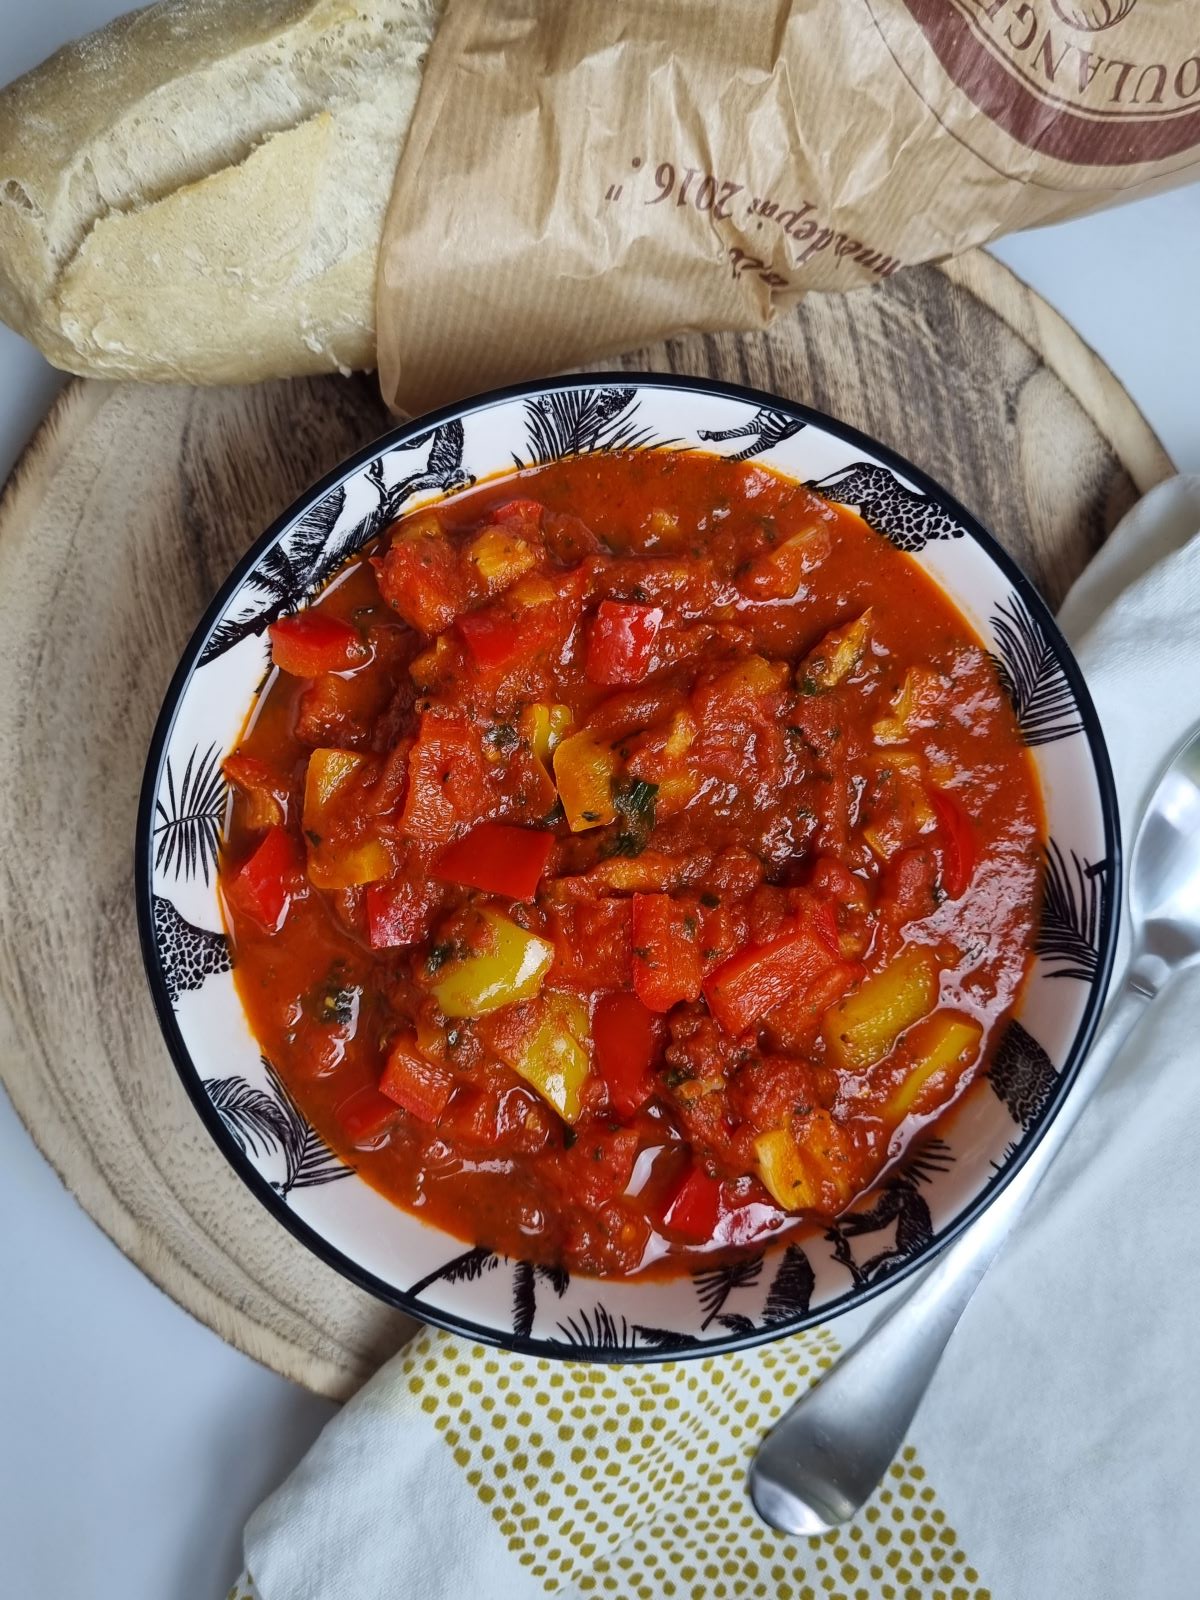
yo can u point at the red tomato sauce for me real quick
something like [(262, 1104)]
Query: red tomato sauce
[(628, 858)]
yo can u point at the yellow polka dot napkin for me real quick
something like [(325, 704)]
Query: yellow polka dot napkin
[(515, 1476), (1053, 1457)]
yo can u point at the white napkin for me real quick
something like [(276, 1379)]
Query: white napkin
[(1055, 1455)]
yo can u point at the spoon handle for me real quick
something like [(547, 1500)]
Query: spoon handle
[(822, 1460)]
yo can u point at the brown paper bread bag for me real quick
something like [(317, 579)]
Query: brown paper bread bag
[(198, 192), (582, 179)]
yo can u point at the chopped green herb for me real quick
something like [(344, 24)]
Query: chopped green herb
[(569, 1136), (334, 1002), (623, 844), (439, 954), (503, 736), (635, 801), (678, 1075), (710, 900), (338, 1006)]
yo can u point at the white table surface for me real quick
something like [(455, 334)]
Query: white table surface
[(133, 1443)]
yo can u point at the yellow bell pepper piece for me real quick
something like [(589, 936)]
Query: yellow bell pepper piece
[(864, 1027), (827, 1150), (681, 737), (328, 771), (532, 591), (917, 697), (345, 866), (807, 1166), (500, 557), (907, 812), (944, 1041), (555, 1058), (754, 675), (584, 768), (544, 726), (429, 668), (782, 1170), (511, 966), (837, 655), (675, 793), (337, 866)]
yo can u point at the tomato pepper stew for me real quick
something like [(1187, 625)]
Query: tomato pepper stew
[(629, 856)]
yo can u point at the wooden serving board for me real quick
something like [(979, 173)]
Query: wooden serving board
[(124, 514)]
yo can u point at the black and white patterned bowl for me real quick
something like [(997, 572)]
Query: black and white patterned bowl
[(946, 1182)]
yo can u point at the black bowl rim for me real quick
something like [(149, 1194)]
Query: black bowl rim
[(856, 1296)]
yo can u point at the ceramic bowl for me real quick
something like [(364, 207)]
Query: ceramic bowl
[(947, 1180)]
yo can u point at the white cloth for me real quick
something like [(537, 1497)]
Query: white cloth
[(1055, 1454)]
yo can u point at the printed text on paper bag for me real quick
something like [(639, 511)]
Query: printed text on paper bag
[(705, 192)]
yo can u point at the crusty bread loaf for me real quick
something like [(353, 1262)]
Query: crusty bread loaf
[(197, 191)]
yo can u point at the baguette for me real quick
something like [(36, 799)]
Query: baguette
[(196, 193)]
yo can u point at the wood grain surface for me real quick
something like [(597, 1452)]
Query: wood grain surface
[(123, 516)]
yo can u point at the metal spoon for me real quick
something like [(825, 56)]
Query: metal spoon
[(821, 1461)]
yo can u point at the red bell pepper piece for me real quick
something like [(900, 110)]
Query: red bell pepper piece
[(263, 886), (366, 1114), (693, 1209), (445, 779), (625, 1040), (666, 952), (498, 859), (525, 515), (266, 791), (956, 842), (496, 638), (399, 912), (822, 919), (420, 577), (422, 1087), (756, 979), (621, 642), (314, 642)]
